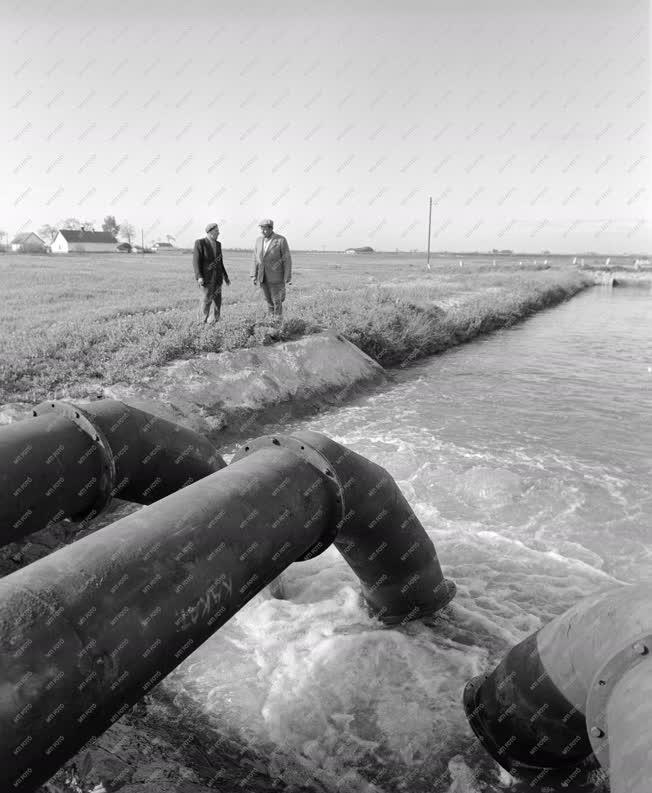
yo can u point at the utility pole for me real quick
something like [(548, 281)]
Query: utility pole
[(429, 225)]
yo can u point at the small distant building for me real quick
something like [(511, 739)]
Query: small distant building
[(163, 246), (363, 249), (82, 241), (28, 242), (124, 247)]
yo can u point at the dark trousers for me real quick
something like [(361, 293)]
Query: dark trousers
[(274, 295), (211, 295)]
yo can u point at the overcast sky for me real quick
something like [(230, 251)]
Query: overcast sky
[(527, 122)]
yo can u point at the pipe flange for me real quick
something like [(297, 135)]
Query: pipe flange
[(637, 650), (318, 461), (107, 478)]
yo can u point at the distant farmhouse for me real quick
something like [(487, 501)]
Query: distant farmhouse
[(82, 241), (163, 246), (364, 249), (28, 242)]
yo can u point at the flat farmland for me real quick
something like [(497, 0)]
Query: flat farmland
[(69, 323)]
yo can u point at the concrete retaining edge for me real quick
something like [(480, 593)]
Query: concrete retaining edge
[(226, 395)]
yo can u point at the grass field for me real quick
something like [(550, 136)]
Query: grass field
[(70, 322)]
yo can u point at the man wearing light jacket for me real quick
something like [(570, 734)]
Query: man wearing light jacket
[(272, 266)]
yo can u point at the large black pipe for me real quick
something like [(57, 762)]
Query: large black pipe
[(88, 630), (68, 461), (560, 708)]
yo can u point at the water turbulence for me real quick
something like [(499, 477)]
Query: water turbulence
[(526, 456)]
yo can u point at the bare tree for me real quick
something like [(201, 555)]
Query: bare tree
[(170, 238), (127, 231), (47, 233)]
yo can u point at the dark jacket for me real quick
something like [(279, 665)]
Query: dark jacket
[(204, 260)]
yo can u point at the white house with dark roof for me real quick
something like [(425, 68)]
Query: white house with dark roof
[(82, 241), (28, 242)]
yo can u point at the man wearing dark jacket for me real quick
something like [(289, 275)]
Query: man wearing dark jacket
[(209, 272)]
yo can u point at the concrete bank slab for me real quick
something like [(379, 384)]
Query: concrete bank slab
[(226, 394)]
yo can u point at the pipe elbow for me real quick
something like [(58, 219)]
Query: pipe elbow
[(153, 457), (380, 537)]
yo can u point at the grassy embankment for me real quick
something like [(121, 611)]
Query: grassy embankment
[(69, 322)]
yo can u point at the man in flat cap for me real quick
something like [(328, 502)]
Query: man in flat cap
[(209, 272), (272, 266)]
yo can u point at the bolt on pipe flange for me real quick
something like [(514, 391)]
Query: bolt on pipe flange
[(319, 461), (602, 685), (107, 477)]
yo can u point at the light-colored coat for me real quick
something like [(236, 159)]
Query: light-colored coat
[(275, 266)]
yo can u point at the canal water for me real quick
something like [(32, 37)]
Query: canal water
[(527, 455)]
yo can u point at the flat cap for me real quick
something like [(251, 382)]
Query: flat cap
[(266, 222), (210, 226)]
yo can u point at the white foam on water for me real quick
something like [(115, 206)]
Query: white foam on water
[(463, 778)]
